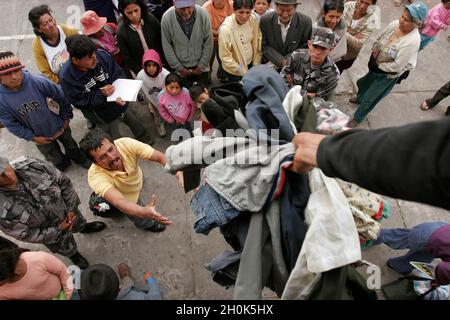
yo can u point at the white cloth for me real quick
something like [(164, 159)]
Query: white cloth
[(292, 103), (58, 55), (331, 241)]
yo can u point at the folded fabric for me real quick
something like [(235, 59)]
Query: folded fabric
[(266, 90), (247, 180), (202, 151)]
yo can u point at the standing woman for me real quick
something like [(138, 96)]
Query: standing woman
[(49, 47), (239, 41), (394, 53), (361, 17), (138, 32)]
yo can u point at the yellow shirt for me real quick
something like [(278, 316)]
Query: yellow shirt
[(129, 183)]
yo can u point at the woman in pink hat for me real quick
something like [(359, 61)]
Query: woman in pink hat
[(102, 33)]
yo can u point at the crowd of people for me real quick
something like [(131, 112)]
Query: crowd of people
[(278, 68)]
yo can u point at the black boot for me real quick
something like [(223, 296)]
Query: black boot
[(156, 227), (95, 226), (79, 260)]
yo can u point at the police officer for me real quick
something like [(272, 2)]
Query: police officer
[(40, 205), (312, 68)]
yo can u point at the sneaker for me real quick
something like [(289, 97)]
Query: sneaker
[(92, 227), (79, 260), (353, 100), (141, 97), (161, 128), (63, 166), (352, 123), (90, 125), (156, 227)]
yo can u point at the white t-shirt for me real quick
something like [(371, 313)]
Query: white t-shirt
[(58, 55), (153, 86)]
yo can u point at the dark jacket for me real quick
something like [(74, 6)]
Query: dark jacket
[(410, 162), (130, 44), (33, 211), (297, 37), (104, 8), (82, 89)]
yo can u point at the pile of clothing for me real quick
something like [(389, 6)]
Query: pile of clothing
[(297, 234)]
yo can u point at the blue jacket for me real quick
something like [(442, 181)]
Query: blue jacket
[(25, 112), (82, 88)]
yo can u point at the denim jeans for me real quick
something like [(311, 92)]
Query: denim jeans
[(211, 210), (414, 239)]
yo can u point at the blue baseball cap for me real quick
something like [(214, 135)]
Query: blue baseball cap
[(183, 3), (418, 12)]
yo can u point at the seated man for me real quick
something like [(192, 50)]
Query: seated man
[(116, 176), (86, 79), (312, 68), (40, 206)]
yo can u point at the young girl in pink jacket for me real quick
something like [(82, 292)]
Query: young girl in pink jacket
[(175, 104), (438, 19)]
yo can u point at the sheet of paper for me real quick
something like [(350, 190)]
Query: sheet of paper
[(127, 89)]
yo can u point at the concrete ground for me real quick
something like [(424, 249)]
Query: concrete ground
[(178, 254)]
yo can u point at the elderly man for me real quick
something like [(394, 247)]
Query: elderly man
[(312, 68), (187, 41), (284, 31), (28, 110), (116, 178), (40, 206)]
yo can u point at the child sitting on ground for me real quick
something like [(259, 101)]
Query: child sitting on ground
[(153, 75), (199, 93), (174, 103)]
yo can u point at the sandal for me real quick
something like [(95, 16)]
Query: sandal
[(424, 106)]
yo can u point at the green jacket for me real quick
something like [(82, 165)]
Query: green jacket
[(183, 52)]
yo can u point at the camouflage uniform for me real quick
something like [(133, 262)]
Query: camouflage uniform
[(33, 211), (322, 81)]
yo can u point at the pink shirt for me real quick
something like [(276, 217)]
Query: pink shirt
[(45, 277), (438, 18), (109, 42), (178, 109)]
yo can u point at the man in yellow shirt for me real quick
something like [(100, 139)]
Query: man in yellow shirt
[(116, 176)]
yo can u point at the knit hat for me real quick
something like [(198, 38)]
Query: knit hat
[(9, 62), (99, 282), (3, 164), (91, 22)]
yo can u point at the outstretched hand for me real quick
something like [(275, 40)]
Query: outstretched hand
[(153, 214)]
